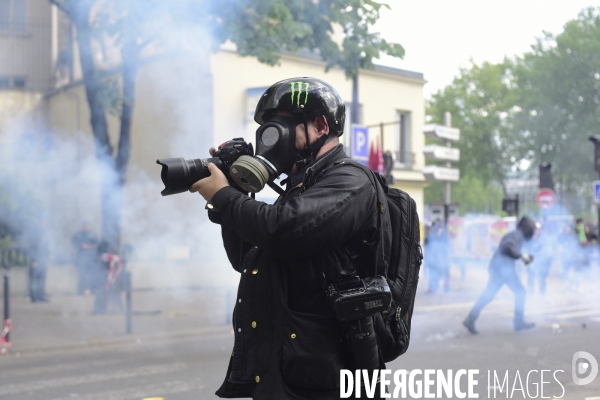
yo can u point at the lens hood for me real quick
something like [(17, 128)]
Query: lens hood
[(175, 175)]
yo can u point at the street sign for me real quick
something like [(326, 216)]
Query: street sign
[(597, 191), (360, 143), (436, 173), (546, 198), (441, 132), (441, 153)]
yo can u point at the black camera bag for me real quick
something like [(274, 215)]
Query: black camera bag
[(393, 327)]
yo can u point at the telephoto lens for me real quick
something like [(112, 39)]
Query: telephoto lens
[(361, 344), (178, 174)]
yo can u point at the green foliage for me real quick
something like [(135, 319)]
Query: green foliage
[(482, 102), (259, 28), (263, 28), (540, 107), (558, 85)]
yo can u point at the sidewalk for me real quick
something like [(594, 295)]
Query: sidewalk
[(66, 321), (160, 314)]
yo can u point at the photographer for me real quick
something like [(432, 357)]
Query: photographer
[(288, 342)]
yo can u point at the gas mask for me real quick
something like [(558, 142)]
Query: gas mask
[(275, 154)]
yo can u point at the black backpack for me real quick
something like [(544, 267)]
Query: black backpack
[(393, 328)]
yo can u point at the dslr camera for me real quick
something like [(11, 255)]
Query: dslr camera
[(355, 301), (179, 174), (354, 298)]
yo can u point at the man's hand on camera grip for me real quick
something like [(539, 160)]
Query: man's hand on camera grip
[(210, 185)]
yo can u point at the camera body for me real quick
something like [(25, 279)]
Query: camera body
[(354, 298), (355, 301), (227, 153)]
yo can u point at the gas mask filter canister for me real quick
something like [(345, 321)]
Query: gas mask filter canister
[(275, 154)]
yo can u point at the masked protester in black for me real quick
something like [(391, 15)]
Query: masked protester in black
[(84, 242), (288, 342), (502, 271)]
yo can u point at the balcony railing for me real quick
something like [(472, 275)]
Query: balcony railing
[(404, 160)]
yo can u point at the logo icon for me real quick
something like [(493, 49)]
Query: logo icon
[(580, 367), (301, 87)]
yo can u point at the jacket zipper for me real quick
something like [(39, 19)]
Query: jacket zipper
[(410, 214)]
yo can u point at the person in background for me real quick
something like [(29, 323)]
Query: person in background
[(84, 242), (582, 266), (569, 252), (502, 271), (541, 248), (580, 232), (108, 271), (41, 256), (437, 256)]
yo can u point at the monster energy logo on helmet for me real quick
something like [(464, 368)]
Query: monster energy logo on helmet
[(299, 90)]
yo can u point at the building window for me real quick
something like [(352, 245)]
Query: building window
[(13, 15), (402, 144), (12, 82)]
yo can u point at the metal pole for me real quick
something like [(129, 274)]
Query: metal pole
[(128, 301), (7, 304), (381, 134), (354, 117), (447, 122), (598, 214), (596, 140)]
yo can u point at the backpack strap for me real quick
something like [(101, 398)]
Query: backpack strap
[(381, 188)]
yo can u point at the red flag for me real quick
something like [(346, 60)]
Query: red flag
[(376, 158)]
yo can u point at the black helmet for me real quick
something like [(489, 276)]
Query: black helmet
[(527, 226), (309, 96)]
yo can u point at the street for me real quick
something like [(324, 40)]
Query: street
[(186, 364)]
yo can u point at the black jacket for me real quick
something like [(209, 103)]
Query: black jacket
[(508, 251), (287, 339)]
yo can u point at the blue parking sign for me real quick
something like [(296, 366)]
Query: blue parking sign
[(597, 191), (360, 143)]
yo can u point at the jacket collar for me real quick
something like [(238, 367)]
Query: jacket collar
[(306, 174)]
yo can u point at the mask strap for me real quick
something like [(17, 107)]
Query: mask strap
[(307, 149), (276, 188), (305, 156), (310, 151)]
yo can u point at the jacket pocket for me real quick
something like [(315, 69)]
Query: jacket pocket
[(312, 351)]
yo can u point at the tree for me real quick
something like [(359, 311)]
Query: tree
[(482, 103), (264, 27), (260, 28), (559, 94)]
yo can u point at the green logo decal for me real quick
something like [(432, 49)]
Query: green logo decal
[(299, 90)]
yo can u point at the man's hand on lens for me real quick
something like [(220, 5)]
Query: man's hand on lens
[(210, 185)]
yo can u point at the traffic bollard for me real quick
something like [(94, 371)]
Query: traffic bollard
[(5, 338)]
